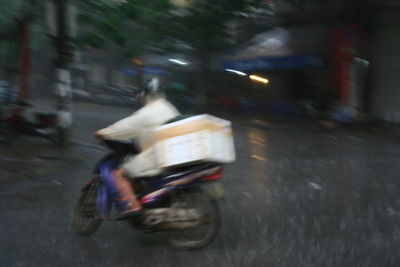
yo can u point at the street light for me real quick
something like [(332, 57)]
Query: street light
[(178, 61), (259, 79), (236, 72)]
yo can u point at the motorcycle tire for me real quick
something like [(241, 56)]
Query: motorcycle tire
[(203, 234), (86, 221)]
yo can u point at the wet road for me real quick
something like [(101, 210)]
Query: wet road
[(295, 197)]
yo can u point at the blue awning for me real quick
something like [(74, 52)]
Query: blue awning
[(281, 63), (148, 70)]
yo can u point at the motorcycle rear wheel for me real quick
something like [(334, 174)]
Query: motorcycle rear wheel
[(203, 234), (86, 221)]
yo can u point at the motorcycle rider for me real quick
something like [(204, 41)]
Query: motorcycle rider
[(156, 111)]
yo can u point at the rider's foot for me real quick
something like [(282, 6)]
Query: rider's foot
[(129, 214)]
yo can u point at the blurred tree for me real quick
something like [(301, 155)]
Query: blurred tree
[(205, 27), (127, 23), (197, 27), (10, 12)]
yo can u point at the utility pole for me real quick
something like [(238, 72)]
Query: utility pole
[(61, 21), (28, 13), (24, 57)]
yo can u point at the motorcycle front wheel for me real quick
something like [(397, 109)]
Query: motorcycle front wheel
[(86, 220), (201, 235)]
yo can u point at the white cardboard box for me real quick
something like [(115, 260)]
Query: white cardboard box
[(196, 139)]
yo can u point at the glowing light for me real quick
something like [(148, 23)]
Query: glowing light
[(178, 61), (237, 72), (259, 79)]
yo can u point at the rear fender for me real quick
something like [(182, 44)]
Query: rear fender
[(215, 189)]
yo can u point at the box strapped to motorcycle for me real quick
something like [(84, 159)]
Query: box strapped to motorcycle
[(202, 138), (198, 139)]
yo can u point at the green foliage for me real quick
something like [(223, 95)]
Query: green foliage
[(143, 25), (10, 12), (204, 25)]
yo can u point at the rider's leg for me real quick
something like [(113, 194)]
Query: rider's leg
[(125, 188)]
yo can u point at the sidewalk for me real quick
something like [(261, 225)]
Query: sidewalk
[(31, 158)]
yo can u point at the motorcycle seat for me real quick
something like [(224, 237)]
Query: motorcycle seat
[(181, 171), (178, 118), (189, 169)]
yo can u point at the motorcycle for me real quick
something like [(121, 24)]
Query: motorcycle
[(180, 201), (15, 123)]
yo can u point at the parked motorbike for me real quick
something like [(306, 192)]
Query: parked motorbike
[(15, 123), (181, 201)]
